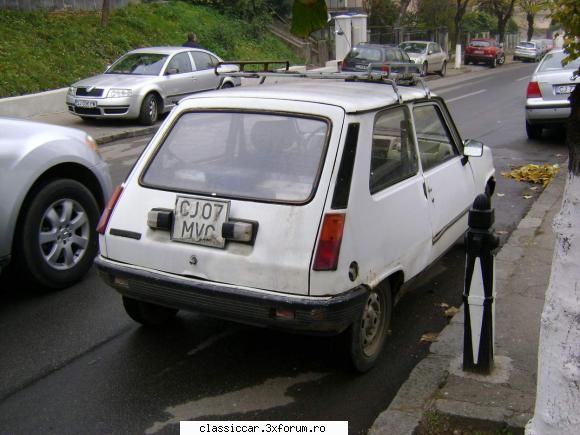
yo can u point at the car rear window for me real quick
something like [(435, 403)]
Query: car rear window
[(480, 43), (553, 61), (365, 54), (244, 155), (527, 45)]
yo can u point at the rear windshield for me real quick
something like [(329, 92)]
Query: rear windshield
[(365, 54), (527, 45), (246, 155), (553, 61), (480, 43), (414, 47)]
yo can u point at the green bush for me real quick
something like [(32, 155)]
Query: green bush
[(46, 50)]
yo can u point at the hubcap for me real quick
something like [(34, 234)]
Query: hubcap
[(153, 109), (372, 324), (64, 234)]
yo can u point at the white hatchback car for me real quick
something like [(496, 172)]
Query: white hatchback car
[(304, 205)]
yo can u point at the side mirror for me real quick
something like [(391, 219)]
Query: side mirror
[(472, 148)]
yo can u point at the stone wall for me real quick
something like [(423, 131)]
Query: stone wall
[(87, 5)]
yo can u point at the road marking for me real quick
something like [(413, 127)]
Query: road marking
[(445, 89), (451, 100), (522, 78)]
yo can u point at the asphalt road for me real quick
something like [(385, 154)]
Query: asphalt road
[(73, 362)]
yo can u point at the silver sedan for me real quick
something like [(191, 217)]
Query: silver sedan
[(147, 82), (547, 95), (428, 55), (53, 186)]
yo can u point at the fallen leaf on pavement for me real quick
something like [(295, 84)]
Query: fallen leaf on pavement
[(528, 196), (430, 337), (538, 174), (452, 311), (500, 194)]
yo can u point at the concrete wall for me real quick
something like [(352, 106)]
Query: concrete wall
[(87, 5), (31, 105)]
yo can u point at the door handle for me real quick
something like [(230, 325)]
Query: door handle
[(425, 191)]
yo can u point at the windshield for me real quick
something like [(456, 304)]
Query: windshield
[(553, 61), (480, 43), (146, 64), (248, 155), (414, 47)]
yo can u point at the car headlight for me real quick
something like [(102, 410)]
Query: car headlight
[(72, 91), (118, 93)]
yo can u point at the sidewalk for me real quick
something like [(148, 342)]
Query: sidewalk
[(438, 389)]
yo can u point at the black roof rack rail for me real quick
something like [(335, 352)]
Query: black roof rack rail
[(369, 76)]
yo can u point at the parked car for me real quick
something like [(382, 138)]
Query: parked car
[(147, 82), (529, 50), (428, 55), (53, 185), (484, 50), (385, 58), (551, 84), (305, 205)]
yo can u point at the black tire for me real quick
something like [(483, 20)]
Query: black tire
[(366, 336), (227, 85), (57, 240), (493, 63), (443, 70), (146, 313), (534, 131), (149, 113), (466, 61), (424, 69)]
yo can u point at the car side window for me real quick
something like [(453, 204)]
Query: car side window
[(202, 60), (179, 64), (393, 155), (433, 137), (435, 48)]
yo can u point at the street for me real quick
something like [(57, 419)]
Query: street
[(74, 361)]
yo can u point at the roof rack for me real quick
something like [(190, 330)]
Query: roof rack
[(371, 75)]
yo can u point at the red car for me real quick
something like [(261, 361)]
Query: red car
[(484, 50)]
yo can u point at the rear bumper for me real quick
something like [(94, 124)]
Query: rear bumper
[(479, 57), (319, 315), (547, 113)]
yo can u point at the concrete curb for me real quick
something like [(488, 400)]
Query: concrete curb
[(504, 399)]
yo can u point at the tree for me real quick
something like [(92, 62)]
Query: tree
[(532, 8), (558, 392), (308, 16), (503, 11), (105, 13), (461, 6)]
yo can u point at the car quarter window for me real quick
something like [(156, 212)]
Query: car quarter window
[(393, 154), (202, 60), (435, 48), (179, 64), (433, 137)]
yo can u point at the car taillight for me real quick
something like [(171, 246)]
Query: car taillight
[(533, 90), (104, 220), (385, 68), (328, 248)]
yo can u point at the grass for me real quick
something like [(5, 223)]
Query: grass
[(47, 50)]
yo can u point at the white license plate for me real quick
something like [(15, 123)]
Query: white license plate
[(86, 103), (199, 221), (564, 89), (478, 52)]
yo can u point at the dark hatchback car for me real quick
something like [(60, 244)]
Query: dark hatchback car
[(385, 58)]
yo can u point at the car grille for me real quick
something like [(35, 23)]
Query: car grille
[(89, 92), (87, 111)]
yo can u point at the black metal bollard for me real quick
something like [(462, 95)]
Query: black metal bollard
[(479, 290)]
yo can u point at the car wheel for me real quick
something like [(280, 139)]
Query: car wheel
[(493, 63), (466, 61), (58, 241), (501, 60), (443, 69), (534, 131), (149, 110), (227, 85), (366, 336), (148, 314), (424, 69)]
